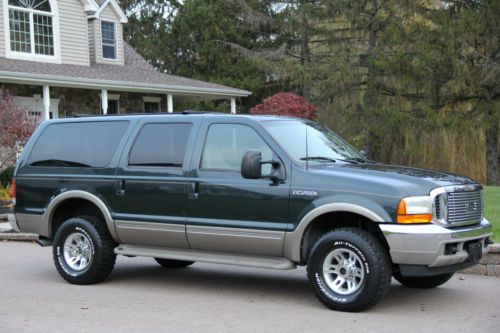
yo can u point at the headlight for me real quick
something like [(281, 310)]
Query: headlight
[(414, 210)]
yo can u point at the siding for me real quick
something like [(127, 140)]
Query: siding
[(108, 14), (73, 33), (2, 32), (91, 25)]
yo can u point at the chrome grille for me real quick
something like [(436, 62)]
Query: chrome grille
[(465, 207)]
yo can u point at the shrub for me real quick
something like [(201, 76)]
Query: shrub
[(6, 176), (15, 129), (286, 104)]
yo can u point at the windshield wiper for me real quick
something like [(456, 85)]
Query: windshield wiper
[(354, 160), (318, 158), (59, 163)]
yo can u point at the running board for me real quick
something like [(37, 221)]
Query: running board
[(205, 256)]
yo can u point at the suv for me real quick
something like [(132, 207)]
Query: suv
[(259, 191)]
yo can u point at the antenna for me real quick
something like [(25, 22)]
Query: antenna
[(307, 151)]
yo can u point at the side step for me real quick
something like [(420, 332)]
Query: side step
[(205, 256)]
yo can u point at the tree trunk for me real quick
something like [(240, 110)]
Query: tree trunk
[(493, 154), (369, 99)]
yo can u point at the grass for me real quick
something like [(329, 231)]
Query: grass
[(492, 209)]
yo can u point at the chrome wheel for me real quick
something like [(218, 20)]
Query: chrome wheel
[(78, 251), (343, 271)]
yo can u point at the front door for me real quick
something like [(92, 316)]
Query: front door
[(151, 184), (225, 211)]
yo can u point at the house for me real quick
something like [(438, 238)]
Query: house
[(64, 57)]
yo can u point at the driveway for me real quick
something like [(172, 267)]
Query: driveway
[(141, 296)]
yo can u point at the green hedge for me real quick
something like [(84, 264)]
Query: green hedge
[(6, 176)]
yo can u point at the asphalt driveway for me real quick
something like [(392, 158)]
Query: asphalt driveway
[(141, 296)]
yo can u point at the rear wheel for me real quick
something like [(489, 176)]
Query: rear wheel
[(349, 270), (422, 282), (171, 263), (83, 250)]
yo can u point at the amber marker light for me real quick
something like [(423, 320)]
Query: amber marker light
[(414, 210)]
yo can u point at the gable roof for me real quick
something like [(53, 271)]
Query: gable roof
[(102, 4), (137, 75)]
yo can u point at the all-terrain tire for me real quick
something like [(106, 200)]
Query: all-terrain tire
[(171, 263), (83, 250), (423, 282), (349, 270)]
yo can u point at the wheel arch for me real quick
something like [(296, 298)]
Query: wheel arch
[(82, 196), (296, 242)]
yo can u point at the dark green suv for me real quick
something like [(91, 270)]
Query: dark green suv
[(258, 191)]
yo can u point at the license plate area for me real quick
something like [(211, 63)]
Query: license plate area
[(475, 250)]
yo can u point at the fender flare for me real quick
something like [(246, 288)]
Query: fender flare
[(78, 194), (293, 239)]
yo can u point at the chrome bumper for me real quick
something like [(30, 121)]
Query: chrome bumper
[(425, 244)]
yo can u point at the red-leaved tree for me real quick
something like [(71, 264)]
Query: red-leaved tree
[(286, 104), (15, 128)]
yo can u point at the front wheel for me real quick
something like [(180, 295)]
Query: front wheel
[(422, 282), (349, 270)]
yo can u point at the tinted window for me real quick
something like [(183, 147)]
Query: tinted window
[(160, 145), (226, 144), (89, 144)]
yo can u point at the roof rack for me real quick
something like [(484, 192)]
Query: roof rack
[(185, 112)]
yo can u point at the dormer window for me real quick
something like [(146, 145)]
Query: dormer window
[(108, 33), (31, 28)]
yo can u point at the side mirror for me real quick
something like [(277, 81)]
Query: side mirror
[(251, 167), (251, 164)]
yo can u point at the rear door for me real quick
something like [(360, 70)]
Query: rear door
[(151, 182), (227, 212)]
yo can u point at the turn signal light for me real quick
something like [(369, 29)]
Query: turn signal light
[(414, 210)]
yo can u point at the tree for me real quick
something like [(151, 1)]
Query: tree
[(286, 104), (15, 129)]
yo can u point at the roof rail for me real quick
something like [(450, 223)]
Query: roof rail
[(185, 112)]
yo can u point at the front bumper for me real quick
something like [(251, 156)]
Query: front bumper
[(433, 246)]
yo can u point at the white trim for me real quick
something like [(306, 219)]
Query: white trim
[(56, 58), (151, 99), (89, 6), (104, 101), (40, 79), (116, 41), (116, 8)]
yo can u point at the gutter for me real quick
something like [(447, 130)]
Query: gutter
[(61, 81)]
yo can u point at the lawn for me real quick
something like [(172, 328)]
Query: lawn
[(492, 209)]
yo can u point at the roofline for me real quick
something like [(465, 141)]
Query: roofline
[(42, 79), (116, 7)]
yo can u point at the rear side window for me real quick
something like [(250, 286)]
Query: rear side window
[(161, 145), (88, 144)]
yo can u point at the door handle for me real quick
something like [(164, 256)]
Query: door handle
[(120, 188), (194, 190)]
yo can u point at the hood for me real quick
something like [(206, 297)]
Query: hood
[(413, 181)]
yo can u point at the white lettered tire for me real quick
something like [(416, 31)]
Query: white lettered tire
[(349, 270), (83, 250)]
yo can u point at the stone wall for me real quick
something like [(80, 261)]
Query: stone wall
[(85, 101), (489, 265)]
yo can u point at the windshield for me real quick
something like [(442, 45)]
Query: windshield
[(323, 145)]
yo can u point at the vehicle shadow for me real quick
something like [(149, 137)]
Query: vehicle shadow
[(248, 283)]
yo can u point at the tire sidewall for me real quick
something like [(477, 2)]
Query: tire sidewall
[(77, 225), (317, 279)]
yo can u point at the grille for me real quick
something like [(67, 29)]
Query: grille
[(464, 207)]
